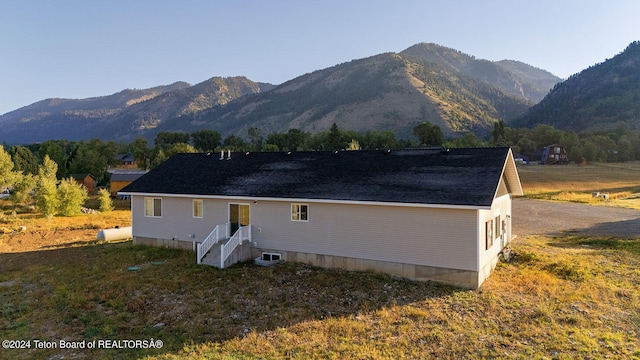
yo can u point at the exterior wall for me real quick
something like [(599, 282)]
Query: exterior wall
[(445, 245), (423, 236), (488, 258), (177, 221)]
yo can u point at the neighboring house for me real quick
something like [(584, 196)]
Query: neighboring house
[(555, 154), (87, 180), (441, 215), (125, 159), (121, 178)]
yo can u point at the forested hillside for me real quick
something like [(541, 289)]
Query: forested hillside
[(603, 97)]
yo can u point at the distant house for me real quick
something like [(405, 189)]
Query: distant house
[(441, 215), (121, 178), (125, 159), (555, 154), (87, 180)]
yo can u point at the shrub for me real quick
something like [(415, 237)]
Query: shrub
[(104, 200), (71, 195)]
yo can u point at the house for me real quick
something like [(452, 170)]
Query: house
[(87, 180), (422, 214), (555, 154), (125, 159), (121, 178)]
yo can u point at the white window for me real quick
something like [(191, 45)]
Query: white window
[(299, 212), (197, 208), (152, 207)]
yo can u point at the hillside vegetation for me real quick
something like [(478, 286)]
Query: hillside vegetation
[(603, 97)]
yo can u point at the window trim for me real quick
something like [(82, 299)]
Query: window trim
[(299, 212), (201, 208), (152, 213)]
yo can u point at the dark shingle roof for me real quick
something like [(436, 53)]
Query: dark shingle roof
[(453, 177), (127, 175)]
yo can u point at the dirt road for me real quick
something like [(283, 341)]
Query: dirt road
[(553, 218)]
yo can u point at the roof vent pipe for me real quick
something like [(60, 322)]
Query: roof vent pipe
[(221, 155), (228, 154)]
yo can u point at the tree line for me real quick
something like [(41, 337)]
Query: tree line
[(46, 168)]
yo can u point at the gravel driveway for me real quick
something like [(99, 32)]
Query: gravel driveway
[(553, 218)]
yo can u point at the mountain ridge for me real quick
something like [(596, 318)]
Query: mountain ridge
[(389, 91)]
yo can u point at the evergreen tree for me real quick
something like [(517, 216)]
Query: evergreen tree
[(334, 138)]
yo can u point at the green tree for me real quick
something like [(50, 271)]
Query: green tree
[(105, 204), (23, 189), (58, 151), (178, 148), (71, 196), (8, 176), (166, 138), (141, 152), (46, 188), (234, 143), (206, 140), (23, 160), (334, 138), (428, 134), (255, 138), (498, 135)]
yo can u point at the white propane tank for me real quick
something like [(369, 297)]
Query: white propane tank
[(122, 233)]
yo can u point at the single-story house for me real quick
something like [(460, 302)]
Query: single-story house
[(422, 214), (87, 180), (121, 178)]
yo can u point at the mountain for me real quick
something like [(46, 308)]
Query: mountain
[(383, 92), (391, 91), (119, 115), (513, 77), (139, 118), (602, 97)]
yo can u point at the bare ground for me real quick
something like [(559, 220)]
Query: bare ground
[(535, 217)]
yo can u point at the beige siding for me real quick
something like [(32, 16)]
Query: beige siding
[(501, 207), (177, 219), (434, 237), (444, 238)]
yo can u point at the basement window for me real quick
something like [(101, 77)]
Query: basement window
[(299, 212), (271, 256), (152, 207)]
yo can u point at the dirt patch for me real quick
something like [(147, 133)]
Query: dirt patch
[(535, 217)]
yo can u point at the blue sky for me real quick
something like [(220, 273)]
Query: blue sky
[(85, 48)]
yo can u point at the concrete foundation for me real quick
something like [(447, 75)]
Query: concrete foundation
[(462, 278)]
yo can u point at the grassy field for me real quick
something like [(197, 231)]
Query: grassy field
[(563, 298), (574, 183)]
